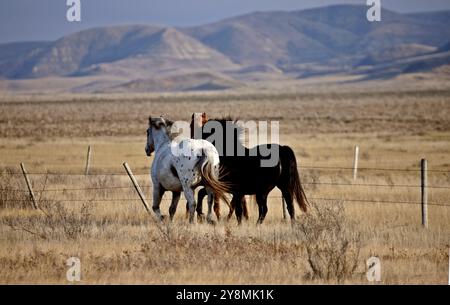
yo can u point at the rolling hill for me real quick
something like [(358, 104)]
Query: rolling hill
[(255, 46), (123, 51), (396, 52), (196, 81)]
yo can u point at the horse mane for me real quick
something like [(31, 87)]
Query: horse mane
[(223, 121), (169, 123), (170, 133), (235, 122)]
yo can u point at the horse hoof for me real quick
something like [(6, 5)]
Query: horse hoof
[(211, 222), (200, 218)]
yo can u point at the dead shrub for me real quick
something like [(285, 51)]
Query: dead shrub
[(12, 191), (32, 264), (330, 242), (56, 221)]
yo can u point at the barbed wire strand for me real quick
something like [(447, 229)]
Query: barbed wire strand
[(307, 183), (345, 200), (300, 167)]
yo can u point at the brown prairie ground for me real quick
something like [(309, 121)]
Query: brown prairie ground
[(117, 242)]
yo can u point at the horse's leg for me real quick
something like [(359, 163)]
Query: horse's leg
[(210, 204), (158, 192), (201, 194), (217, 207), (232, 208), (289, 203), (261, 199), (237, 199), (244, 208), (283, 206), (174, 204), (190, 197)]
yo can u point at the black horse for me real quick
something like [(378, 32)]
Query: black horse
[(244, 174)]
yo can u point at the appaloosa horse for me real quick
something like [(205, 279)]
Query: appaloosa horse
[(182, 166)]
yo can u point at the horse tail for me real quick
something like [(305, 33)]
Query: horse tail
[(289, 171), (210, 177)]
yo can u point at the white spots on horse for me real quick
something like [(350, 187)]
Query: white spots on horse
[(173, 171)]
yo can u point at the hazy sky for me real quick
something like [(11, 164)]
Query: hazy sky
[(46, 19)]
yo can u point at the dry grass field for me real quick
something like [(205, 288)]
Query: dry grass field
[(99, 218)]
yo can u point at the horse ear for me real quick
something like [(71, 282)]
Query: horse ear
[(155, 122), (160, 123)]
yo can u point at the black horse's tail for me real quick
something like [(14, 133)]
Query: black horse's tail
[(289, 174)]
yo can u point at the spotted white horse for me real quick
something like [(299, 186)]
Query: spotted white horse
[(182, 166)]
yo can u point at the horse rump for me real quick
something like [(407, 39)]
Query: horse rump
[(210, 177)]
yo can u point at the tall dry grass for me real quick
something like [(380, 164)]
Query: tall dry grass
[(117, 242)]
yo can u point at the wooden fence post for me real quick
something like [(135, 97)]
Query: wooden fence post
[(88, 161), (30, 188), (355, 162), (424, 192), (136, 186)]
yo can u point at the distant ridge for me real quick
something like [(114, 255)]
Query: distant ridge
[(319, 41)]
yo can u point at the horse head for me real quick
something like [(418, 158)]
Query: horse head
[(154, 124), (198, 120)]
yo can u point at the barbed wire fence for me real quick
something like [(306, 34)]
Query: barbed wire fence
[(421, 172)]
